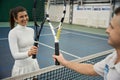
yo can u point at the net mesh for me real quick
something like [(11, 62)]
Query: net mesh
[(63, 73)]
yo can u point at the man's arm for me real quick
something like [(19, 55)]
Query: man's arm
[(81, 68)]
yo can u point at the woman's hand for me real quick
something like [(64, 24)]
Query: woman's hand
[(33, 50)]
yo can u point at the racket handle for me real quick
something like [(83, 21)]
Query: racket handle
[(34, 56), (57, 52)]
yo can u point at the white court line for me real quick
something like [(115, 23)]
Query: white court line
[(84, 34), (52, 34), (67, 32), (52, 48), (88, 36), (60, 50), (3, 38)]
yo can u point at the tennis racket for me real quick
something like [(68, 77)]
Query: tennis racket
[(56, 9), (37, 27)]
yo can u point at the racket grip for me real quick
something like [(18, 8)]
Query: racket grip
[(34, 56), (57, 52)]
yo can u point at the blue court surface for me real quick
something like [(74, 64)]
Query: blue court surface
[(73, 45)]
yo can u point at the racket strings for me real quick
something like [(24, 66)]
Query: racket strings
[(50, 8), (48, 17)]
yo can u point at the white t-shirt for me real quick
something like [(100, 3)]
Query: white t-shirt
[(107, 67), (21, 38)]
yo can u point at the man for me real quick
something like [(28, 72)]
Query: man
[(109, 68)]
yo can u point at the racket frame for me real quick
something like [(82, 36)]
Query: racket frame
[(37, 31), (56, 35)]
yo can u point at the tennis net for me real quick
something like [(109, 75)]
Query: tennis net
[(63, 73)]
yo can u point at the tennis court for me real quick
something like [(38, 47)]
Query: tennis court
[(83, 38), (74, 44)]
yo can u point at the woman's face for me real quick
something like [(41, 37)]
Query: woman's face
[(22, 18)]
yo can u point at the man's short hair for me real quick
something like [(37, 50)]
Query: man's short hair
[(117, 10)]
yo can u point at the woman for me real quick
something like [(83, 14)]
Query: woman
[(21, 40)]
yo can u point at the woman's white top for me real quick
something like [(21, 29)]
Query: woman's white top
[(21, 39), (107, 67)]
